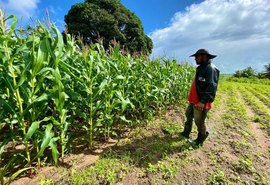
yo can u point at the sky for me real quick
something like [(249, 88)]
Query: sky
[(237, 31)]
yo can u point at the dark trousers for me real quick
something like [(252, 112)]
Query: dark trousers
[(199, 118)]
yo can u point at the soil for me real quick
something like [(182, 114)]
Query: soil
[(236, 151)]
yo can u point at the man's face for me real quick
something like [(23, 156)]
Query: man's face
[(201, 58)]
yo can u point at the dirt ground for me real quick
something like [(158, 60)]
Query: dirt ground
[(237, 151)]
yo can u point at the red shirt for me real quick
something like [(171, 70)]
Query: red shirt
[(193, 97)]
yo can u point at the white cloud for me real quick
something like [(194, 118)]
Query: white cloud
[(238, 31), (20, 8)]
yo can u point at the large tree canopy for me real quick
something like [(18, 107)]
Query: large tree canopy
[(108, 20)]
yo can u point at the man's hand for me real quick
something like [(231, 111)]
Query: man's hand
[(199, 106)]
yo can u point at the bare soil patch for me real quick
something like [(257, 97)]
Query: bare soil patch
[(79, 161), (260, 136)]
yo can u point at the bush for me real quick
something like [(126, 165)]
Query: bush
[(246, 73)]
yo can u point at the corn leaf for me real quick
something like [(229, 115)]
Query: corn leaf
[(46, 140), (34, 126), (14, 175), (55, 153)]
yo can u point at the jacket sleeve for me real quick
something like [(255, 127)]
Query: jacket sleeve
[(211, 83)]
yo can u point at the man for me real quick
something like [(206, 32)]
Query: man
[(201, 95)]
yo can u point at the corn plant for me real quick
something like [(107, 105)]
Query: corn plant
[(21, 97), (54, 92)]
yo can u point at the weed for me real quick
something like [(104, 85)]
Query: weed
[(243, 144), (152, 168), (218, 177), (257, 119), (111, 176), (259, 179), (244, 133), (46, 182), (104, 170), (171, 128), (245, 165)]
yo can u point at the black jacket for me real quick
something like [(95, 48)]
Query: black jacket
[(207, 76)]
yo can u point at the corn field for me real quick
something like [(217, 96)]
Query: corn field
[(53, 93)]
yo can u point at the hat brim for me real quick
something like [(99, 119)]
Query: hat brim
[(209, 55)]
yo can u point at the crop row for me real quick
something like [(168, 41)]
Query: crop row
[(261, 110), (259, 95), (53, 93), (250, 80), (262, 89)]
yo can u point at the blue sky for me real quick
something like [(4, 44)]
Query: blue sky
[(156, 14), (238, 31)]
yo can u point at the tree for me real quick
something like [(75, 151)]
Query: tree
[(267, 70), (247, 72), (108, 20), (237, 74)]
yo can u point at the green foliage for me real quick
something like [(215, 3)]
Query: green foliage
[(253, 80), (46, 182), (251, 73), (218, 177), (262, 75), (106, 171), (246, 73), (245, 164), (171, 128), (50, 91), (267, 71), (110, 21)]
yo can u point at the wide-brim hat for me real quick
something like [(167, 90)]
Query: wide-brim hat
[(203, 51)]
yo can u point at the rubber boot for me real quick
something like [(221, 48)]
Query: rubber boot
[(185, 134), (187, 130), (201, 138)]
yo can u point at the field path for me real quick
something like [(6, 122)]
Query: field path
[(260, 136)]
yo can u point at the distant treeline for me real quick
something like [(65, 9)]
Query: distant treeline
[(249, 72)]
